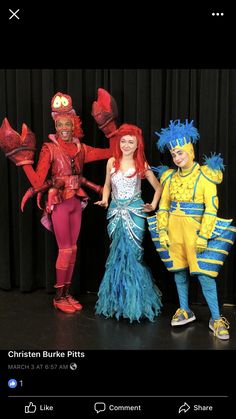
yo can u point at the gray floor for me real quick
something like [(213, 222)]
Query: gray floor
[(29, 321)]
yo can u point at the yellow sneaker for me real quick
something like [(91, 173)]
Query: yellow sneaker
[(182, 317), (220, 328)]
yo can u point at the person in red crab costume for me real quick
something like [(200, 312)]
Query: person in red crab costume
[(65, 156)]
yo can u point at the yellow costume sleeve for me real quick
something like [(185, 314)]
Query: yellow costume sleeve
[(210, 179), (164, 206)]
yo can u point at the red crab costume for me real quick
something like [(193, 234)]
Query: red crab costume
[(65, 155)]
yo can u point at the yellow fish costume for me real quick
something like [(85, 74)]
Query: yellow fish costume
[(186, 231)]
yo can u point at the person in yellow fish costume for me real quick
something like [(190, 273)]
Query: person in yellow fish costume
[(186, 231)]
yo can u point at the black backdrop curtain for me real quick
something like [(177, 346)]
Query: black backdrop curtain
[(147, 98)]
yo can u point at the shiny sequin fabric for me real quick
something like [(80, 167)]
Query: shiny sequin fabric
[(124, 186)]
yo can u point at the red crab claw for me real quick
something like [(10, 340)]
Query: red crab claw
[(18, 148), (32, 191), (105, 111)]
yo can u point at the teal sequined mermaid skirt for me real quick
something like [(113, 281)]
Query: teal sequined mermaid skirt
[(127, 289)]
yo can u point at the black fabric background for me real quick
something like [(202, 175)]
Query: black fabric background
[(148, 98)]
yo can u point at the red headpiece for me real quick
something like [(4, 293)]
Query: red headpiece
[(61, 104)]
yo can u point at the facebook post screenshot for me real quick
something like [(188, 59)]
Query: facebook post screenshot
[(118, 211)]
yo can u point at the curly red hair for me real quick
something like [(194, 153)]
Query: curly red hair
[(139, 155)]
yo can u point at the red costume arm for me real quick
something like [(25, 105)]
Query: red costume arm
[(38, 176), (93, 154)]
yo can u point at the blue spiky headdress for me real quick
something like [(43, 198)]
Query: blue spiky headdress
[(177, 135)]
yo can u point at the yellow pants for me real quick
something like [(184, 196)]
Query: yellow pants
[(182, 232)]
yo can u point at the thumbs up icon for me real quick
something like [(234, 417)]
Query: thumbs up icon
[(31, 408)]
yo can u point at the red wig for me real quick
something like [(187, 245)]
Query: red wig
[(139, 155)]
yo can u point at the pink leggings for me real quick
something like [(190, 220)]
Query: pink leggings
[(66, 219)]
